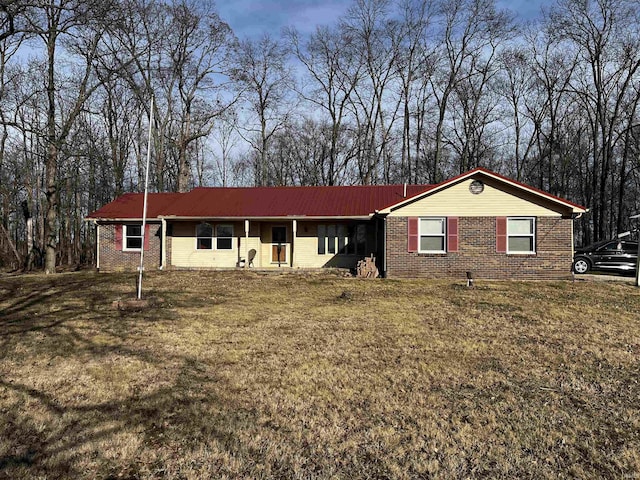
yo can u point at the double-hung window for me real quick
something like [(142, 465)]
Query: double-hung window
[(433, 235), (132, 237), (204, 234), (205, 239), (224, 237), (521, 235)]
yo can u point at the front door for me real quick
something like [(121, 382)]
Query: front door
[(279, 245)]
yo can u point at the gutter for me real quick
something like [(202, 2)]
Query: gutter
[(274, 219), (121, 220)]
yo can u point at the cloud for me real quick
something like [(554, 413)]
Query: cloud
[(251, 18)]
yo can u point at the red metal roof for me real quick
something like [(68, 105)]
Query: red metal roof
[(255, 202), (350, 201), (130, 205)]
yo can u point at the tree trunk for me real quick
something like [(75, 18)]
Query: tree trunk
[(51, 162)]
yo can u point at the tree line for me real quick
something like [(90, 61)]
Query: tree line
[(394, 91)]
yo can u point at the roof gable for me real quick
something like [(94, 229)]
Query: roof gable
[(514, 187)]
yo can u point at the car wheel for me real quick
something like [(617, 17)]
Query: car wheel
[(581, 265)]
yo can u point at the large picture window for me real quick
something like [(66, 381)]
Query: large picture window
[(432, 232), (224, 237), (521, 237), (132, 237)]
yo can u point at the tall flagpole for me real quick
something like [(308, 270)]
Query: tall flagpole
[(144, 208)]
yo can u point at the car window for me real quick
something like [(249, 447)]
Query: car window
[(609, 246), (630, 247)]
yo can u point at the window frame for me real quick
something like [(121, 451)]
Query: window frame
[(531, 235), (126, 236), (443, 235), (217, 237), (198, 237)]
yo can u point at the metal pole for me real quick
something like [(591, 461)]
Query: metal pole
[(144, 208)]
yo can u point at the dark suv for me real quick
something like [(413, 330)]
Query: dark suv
[(611, 255)]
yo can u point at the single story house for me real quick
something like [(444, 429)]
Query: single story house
[(479, 221)]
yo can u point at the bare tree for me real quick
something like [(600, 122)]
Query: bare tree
[(264, 79), (225, 135), (607, 36), (470, 29), (334, 67), (374, 104), (79, 24), (415, 46), (199, 51)]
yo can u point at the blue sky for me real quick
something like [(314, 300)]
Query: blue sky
[(253, 18)]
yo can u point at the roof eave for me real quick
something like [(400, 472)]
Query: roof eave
[(267, 218), (574, 207), (118, 219)]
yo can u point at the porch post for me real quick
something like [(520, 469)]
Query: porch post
[(97, 245), (163, 245), (294, 231), (246, 244)]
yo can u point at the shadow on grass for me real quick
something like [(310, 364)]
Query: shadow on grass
[(169, 416), (47, 432)]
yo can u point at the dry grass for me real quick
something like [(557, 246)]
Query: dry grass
[(244, 376)]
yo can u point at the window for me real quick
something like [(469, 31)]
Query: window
[(342, 239), (432, 232), (521, 235), (224, 237), (322, 239), (357, 239), (331, 238), (132, 237), (204, 232)]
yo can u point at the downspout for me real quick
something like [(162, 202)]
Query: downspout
[(384, 247), (384, 243)]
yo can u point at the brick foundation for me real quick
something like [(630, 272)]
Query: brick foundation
[(477, 252)]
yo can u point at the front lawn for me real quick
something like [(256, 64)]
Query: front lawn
[(242, 375)]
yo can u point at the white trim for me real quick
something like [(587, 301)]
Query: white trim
[(531, 235), (443, 235), (125, 236)]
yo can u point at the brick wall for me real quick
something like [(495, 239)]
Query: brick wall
[(477, 252), (112, 259)]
